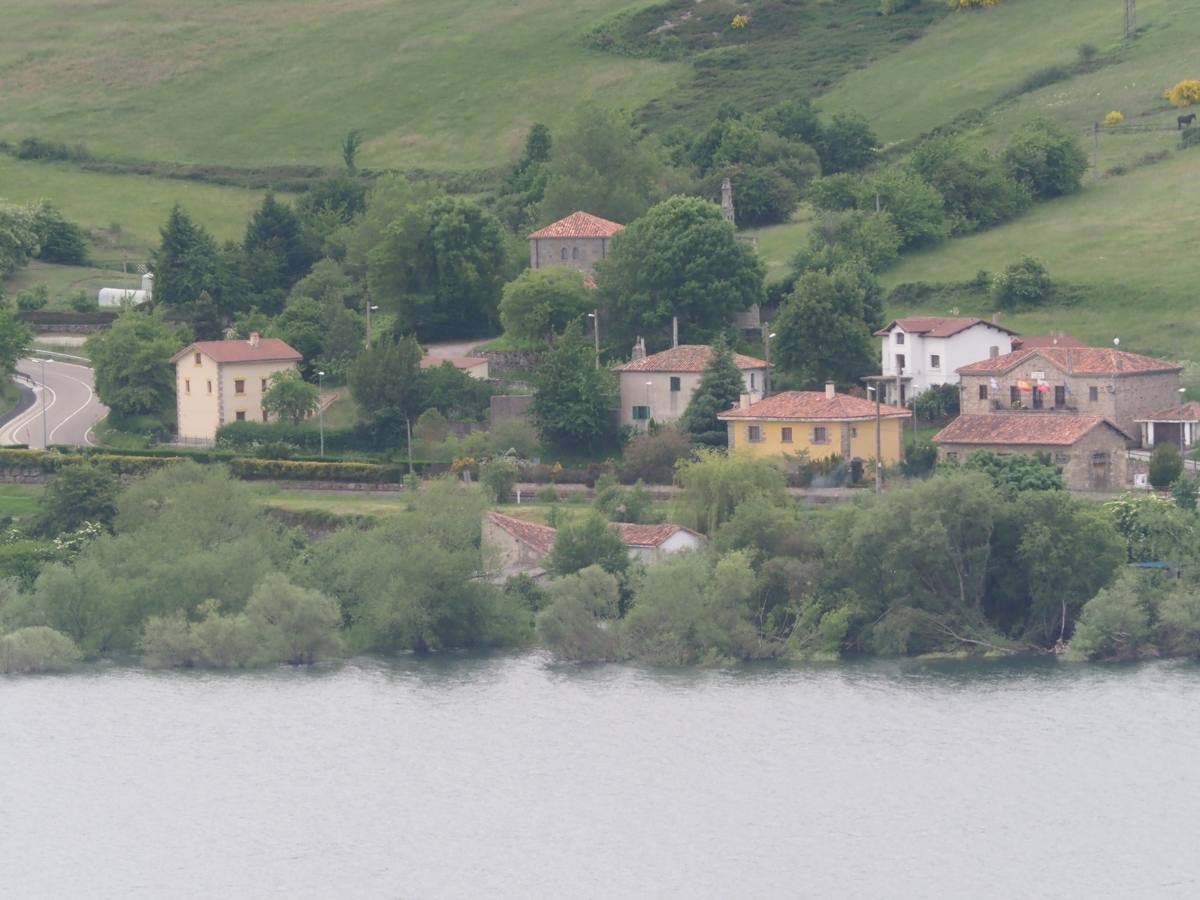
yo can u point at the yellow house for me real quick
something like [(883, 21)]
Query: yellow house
[(821, 424), (224, 381)]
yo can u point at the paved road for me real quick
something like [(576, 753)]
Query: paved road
[(71, 407)]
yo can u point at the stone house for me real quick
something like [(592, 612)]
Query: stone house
[(1089, 451), (660, 386), (224, 381), (1178, 425), (927, 351), (580, 241), (1113, 384)]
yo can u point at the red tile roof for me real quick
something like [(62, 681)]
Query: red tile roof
[(808, 406), (938, 326), (579, 224), (267, 350), (1187, 412), (686, 358), (1074, 361), (649, 535), (459, 362), (539, 537), (1035, 341), (1021, 428)]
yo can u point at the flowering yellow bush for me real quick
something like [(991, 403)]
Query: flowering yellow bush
[(739, 21), (464, 463), (1114, 118), (1185, 93), (972, 4)]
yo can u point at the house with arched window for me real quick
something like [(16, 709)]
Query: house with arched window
[(580, 241)]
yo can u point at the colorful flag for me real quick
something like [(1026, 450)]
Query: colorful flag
[(1024, 386)]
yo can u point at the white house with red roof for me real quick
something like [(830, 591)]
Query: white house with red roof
[(224, 381), (660, 386), (926, 351), (580, 241)]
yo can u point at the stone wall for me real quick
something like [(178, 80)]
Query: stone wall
[(1079, 471), (504, 362), (580, 253), (509, 407)]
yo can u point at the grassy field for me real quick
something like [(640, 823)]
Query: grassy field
[(19, 500)]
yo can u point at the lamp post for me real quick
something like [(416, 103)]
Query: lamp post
[(321, 410), (649, 384), (768, 337), (595, 317), (370, 309)]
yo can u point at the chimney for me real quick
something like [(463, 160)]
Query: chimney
[(674, 331), (829, 390), (639, 349), (253, 339), (744, 401)]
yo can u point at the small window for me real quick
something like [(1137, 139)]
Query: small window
[(197, 358), (675, 387), (1093, 394), (1061, 459), (853, 432), (239, 385), (210, 386), (754, 434), (786, 435), (1060, 395), (820, 435), (993, 351), (983, 395), (187, 385), (899, 337), (240, 415), (564, 253), (1014, 395), (935, 361), (753, 381), (641, 413), (951, 456), (574, 253), (264, 385)]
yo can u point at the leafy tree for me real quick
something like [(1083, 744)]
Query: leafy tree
[(1016, 472), (651, 456), (19, 240), (715, 484), (78, 494), (393, 199), (385, 381), (1026, 283), (290, 397), (15, 336), (293, 624), (451, 390), (132, 363), (574, 624), (186, 263), (938, 403), (36, 649), (977, 190), (540, 303), (822, 330), (1184, 491), (680, 259), (59, 241), (843, 238), (1166, 465), (846, 144), (350, 144), (721, 386), (302, 324), (275, 254), (573, 401), (1154, 528), (1049, 161), (499, 476), (590, 542), (796, 119), (1115, 625)]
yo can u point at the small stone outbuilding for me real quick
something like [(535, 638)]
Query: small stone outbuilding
[(580, 240)]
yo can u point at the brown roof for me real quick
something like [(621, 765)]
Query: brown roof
[(459, 362), (539, 537), (1035, 341), (579, 224), (686, 358), (267, 350), (810, 406), (938, 326), (1024, 429), (649, 535), (1074, 361), (1187, 412)]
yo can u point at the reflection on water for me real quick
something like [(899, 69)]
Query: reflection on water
[(468, 776)]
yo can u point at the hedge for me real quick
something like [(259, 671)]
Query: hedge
[(65, 317), (241, 436)]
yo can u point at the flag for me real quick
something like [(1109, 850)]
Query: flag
[(995, 385), (1024, 386), (1067, 390)]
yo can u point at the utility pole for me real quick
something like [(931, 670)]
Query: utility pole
[(1096, 150), (370, 309), (321, 411), (595, 317), (1130, 19)]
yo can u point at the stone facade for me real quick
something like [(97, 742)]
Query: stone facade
[(1096, 462), (581, 253)]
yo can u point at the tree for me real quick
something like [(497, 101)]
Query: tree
[(822, 331), (293, 624), (844, 237), (977, 191), (540, 303), (350, 144), (590, 542), (1026, 283), (1046, 159), (573, 401), (15, 336), (303, 325), (1115, 624), (721, 386), (1016, 472), (715, 484), (79, 493), (290, 397), (385, 381), (132, 363), (846, 144), (60, 241), (275, 255), (680, 259), (186, 262), (575, 623), (1166, 465), (19, 239)]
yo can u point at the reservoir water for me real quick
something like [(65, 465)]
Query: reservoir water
[(516, 777)]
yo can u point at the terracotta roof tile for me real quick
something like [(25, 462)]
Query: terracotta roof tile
[(539, 537), (686, 358), (1187, 412), (1021, 428), (267, 350), (649, 535), (938, 326), (808, 406), (1074, 361), (1037, 341), (579, 224)]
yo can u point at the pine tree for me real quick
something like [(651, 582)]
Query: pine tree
[(186, 263), (720, 388), (275, 253), (573, 401)]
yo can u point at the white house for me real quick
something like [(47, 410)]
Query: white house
[(127, 296), (660, 386), (926, 351)]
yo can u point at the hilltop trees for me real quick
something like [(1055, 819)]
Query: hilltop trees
[(274, 255)]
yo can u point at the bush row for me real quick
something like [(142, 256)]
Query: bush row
[(241, 436)]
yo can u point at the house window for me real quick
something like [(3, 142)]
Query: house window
[(210, 385), (754, 434), (564, 253), (1060, 395), (820, 435), (574, 253), (197, 358), (1014, 395), (983, 392), (785, 435), (899, 361), (935, 361), (753, 382), (641, 413), (993, 352), (1093, 394), (187, 385), (899, 337), (951, 456), (853, 432), (239, 385), (240, 415), (264, 385), (675, 387), (1061, 459)]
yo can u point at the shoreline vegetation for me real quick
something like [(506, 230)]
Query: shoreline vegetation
[(186, 568)]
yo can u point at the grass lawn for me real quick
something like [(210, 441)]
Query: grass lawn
[(340, 503), (778, 244), (19, 500), (343, 413)]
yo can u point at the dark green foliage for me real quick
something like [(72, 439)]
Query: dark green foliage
[(914, 206), (186, 263), (938, 403), (1184, 491), (846, 144), (845, 237), (573, 402), (456, 394), (36, 649), (1016, 472), (1166, 465), (1154, 529), (1049, 161), (540, 303), (714, 484), (590, 542), (132, 362), (721, 386), (15, 336), (302, 326), (80, 493), (350, 144), (920, 456), (60, 241), (1190, 137), (1117, 624), (385, 381), (977, 190), (275, 254), (1026, 283), (651, 456), (499, 476), (822, 329), (289, 397), (35, 297)]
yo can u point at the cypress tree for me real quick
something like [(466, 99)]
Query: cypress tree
[(185, 264), (720, 388)]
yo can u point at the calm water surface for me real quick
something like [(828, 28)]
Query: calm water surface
[(513, 777)]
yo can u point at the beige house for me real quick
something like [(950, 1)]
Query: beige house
[(580, 240), (224, 381), (660, 386)]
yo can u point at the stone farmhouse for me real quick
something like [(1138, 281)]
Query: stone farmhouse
[(927, 351), (660, 386), (580, 241)]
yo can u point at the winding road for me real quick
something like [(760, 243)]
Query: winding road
[(67, 401)]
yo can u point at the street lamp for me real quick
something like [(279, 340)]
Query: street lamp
[(767, 351), (321, 410), (595, 317), (370, 309)]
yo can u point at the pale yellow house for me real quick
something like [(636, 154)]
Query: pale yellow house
[(224, 381), (822, 424)]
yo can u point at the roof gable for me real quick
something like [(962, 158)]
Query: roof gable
[(538, 537), (579, 224), (938, 326), (265, 350), (1023, 429), (1102, 361), (808, 406), (686, 358)]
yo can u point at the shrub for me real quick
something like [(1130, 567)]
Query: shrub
[(1165, 465), (1184, 93), (1115, 624), (1026, 283), (1190, 137), (1048, 160), (547, 494), (1114, 118), (972, 4), (499, 476), (36, 649), (81, 301), (293, 624), (939, 403), (168, 643), (33, 298), (920, 456), (1184, 490)]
